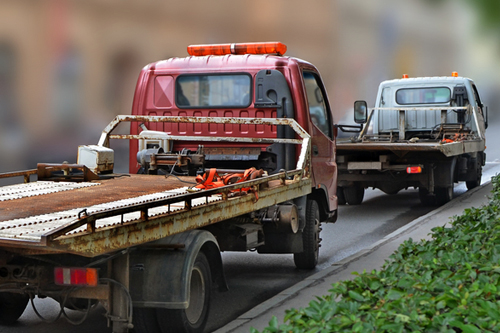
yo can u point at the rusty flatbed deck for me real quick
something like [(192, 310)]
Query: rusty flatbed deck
[(77, 195)]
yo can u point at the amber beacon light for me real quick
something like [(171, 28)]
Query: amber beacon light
[(237, 48)]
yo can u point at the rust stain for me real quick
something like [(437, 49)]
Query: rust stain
[(109, 190)]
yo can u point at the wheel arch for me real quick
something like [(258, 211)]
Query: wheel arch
[(320, 195), (160, 272)]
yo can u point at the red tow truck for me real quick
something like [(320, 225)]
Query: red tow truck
[(231, 149)]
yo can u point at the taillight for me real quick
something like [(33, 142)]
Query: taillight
[(414, 169), (237, 48), (66, 276)]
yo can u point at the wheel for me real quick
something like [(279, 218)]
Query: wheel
[(354, 194), (194, 318), (476, 182), (308, 258), (425, 198), (444, 194), (340, 196), (12, 307), (145, 321)]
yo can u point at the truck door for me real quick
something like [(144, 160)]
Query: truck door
[(323, 152)]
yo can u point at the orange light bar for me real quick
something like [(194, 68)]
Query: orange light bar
[(237, 48), (414, 169), (75, 276), (405, 76), (454, 74)]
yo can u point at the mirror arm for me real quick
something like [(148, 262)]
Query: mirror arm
[(368, 121)]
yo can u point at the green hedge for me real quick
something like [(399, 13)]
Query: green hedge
[(450, 283)]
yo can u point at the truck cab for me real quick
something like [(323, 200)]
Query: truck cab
[(210, 83), (428, 93)]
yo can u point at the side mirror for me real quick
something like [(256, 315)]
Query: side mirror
[(360, 112)]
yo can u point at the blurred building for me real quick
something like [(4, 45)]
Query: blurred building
[(67, 67)]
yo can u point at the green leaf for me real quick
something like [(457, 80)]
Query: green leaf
[(394, 294), (356, 296), (466, 328), (273, 322)]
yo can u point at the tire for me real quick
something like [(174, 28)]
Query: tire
[(308, 258), (194, 318), (444, 194), (476, 182), (340, 196), (425, 198), (354, 194), (12, 307)]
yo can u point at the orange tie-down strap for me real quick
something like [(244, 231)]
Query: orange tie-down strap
[(211, 179)]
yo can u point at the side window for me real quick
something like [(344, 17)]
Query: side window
[(317, 107), (385, 98)]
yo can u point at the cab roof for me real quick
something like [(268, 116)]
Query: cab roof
[(432, 80), (225, 62)]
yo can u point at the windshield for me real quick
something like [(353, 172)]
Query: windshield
[(423, 95), (203, 91)]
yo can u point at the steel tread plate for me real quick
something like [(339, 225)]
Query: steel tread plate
[(20, 191)]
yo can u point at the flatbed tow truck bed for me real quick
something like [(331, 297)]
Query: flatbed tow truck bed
[(102, 216)]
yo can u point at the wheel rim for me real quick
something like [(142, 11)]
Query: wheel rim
[(196, 296)]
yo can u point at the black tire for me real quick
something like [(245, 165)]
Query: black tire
[(444, 194), (12, 307), (145, 321), (340, 196), (476, 182), (425, 198), (194, 318), (308, 258), (354, 194)]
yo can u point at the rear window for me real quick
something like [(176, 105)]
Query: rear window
[(423, 95), (211, 91)]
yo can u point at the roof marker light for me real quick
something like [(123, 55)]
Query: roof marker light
[(454, 74), (405, 76), (237, 48)]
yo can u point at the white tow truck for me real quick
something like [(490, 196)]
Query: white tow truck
[(425, 132)]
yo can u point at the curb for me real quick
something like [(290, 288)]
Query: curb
[(320, 276)]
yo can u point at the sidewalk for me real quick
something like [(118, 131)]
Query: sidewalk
[(299, 295)]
